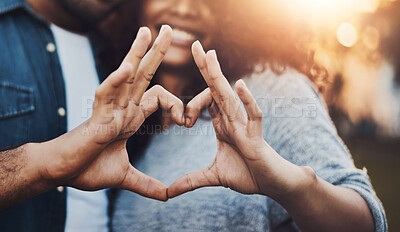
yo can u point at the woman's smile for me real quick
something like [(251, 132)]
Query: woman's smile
[(189, 20), (182, 38)]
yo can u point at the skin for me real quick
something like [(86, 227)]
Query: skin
[(194, 17), (79, 157), (247, 164), (244, 161)]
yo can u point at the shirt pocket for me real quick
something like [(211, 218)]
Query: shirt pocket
[(16, 108), (15, 100)]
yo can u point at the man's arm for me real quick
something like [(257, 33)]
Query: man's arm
[(20, 175), (93, 156)]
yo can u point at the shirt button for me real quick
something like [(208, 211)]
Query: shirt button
[(60, 189), (51, 47), (61, 111)]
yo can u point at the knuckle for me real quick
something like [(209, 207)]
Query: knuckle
[(193, 106), (259, 116), (177, 102), (189, 181), (147, 76), (190, 106), (163, 51), (157, 88), (124, 71), (136, 103), (191, 111), (138, 55), (223, 98), (259, 113), (98, 93), (156, 45), (231, 119), (130, 80), (213, 76)]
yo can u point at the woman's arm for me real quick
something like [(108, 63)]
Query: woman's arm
[(246, 163), (320, 206)]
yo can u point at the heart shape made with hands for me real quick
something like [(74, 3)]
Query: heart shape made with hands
[(242, 155)]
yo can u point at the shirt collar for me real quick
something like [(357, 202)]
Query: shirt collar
[(9, 5)]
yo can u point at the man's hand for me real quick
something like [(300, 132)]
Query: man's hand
[(93, 156)]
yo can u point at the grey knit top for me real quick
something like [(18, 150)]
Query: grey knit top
[(295, 124)]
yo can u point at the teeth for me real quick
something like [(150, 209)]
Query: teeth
[(183, 35)]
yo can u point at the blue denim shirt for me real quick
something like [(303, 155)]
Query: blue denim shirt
[(32, 93)]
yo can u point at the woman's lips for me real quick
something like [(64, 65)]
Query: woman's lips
[(182, 38)]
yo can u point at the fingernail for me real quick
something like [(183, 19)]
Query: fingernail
[(198, 44), (194, 44), (213, 54), (244, 83), (140, 30), (163, 27), (187, 122)]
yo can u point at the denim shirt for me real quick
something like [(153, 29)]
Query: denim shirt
[(32, 106)]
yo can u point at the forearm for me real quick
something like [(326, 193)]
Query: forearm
[(20, 177), (320, 206)]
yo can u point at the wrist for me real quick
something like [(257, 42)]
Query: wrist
[(37, 159), (65, 157), (279, 178), (300, 182)]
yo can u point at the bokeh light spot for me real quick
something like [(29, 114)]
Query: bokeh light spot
[(347, 35), (371, 38)]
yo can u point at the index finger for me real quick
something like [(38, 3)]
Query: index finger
[(133, 58), (138, 48), (144, 185), (222, 91), (193, 181), (150, 63)]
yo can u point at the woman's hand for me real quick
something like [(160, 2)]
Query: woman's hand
[(244, 161), (93, 156), (247, 164)]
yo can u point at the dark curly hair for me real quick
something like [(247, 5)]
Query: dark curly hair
[(252, 35), (257, 35)]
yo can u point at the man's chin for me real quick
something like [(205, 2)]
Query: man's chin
[(89, 12)]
